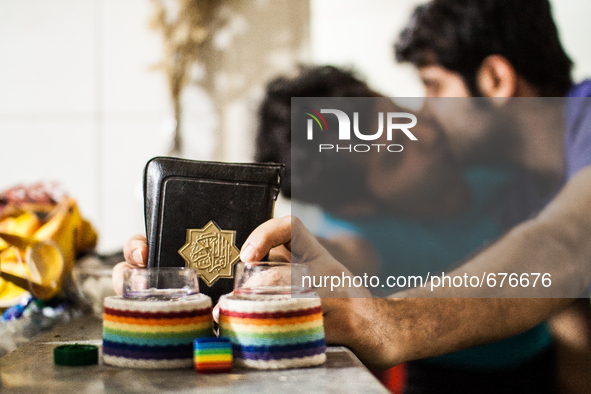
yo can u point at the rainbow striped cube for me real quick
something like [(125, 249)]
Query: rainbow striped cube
[(213, 355)]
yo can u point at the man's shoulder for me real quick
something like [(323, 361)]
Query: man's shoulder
[(581, 89), (578, 128)]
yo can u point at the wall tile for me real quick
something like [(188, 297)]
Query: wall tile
[(129, 51), (60, 151), (129, 144), (47, 56)]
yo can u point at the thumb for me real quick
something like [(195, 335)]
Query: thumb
[(272, 233)]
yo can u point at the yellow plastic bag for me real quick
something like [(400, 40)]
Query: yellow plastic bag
[(40, 245)]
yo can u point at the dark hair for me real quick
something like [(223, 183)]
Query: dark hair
[(273, 141), (460, 34)]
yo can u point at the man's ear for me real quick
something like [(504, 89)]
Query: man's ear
[(497, 78)]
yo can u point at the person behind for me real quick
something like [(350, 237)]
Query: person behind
[(540, 67), (432, 221)]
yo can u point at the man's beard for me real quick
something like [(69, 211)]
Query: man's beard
[(497, 141)]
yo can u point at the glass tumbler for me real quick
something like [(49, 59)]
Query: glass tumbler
[(160, 283)]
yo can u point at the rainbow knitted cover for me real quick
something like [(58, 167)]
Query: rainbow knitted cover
[(274, 332), (154, 334)]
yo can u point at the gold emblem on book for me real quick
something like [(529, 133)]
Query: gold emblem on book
[(212, 251)]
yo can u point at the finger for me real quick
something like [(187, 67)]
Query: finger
[(280, 253), (118, 276), (216, 313), (272, 233), (135, 250), (216, 310), (304, 246)]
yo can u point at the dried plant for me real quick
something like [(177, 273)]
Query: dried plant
[(186, 26)]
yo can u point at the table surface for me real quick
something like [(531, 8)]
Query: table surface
[(30, 369)]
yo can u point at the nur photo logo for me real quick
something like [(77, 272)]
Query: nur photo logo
[(392, 121)]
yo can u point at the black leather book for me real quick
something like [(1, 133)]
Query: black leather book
[(199, 214)]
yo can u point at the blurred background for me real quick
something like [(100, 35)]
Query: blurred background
[(84, 103)]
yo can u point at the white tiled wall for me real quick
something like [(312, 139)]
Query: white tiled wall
[(360, 33), (79, 105), (48, 59), (572, 18), (80, 102), (51, 149)]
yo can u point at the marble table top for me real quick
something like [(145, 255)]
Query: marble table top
[(30, 369)]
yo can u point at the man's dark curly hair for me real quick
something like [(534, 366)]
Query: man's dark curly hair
[(273, 141), (460, 34)]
